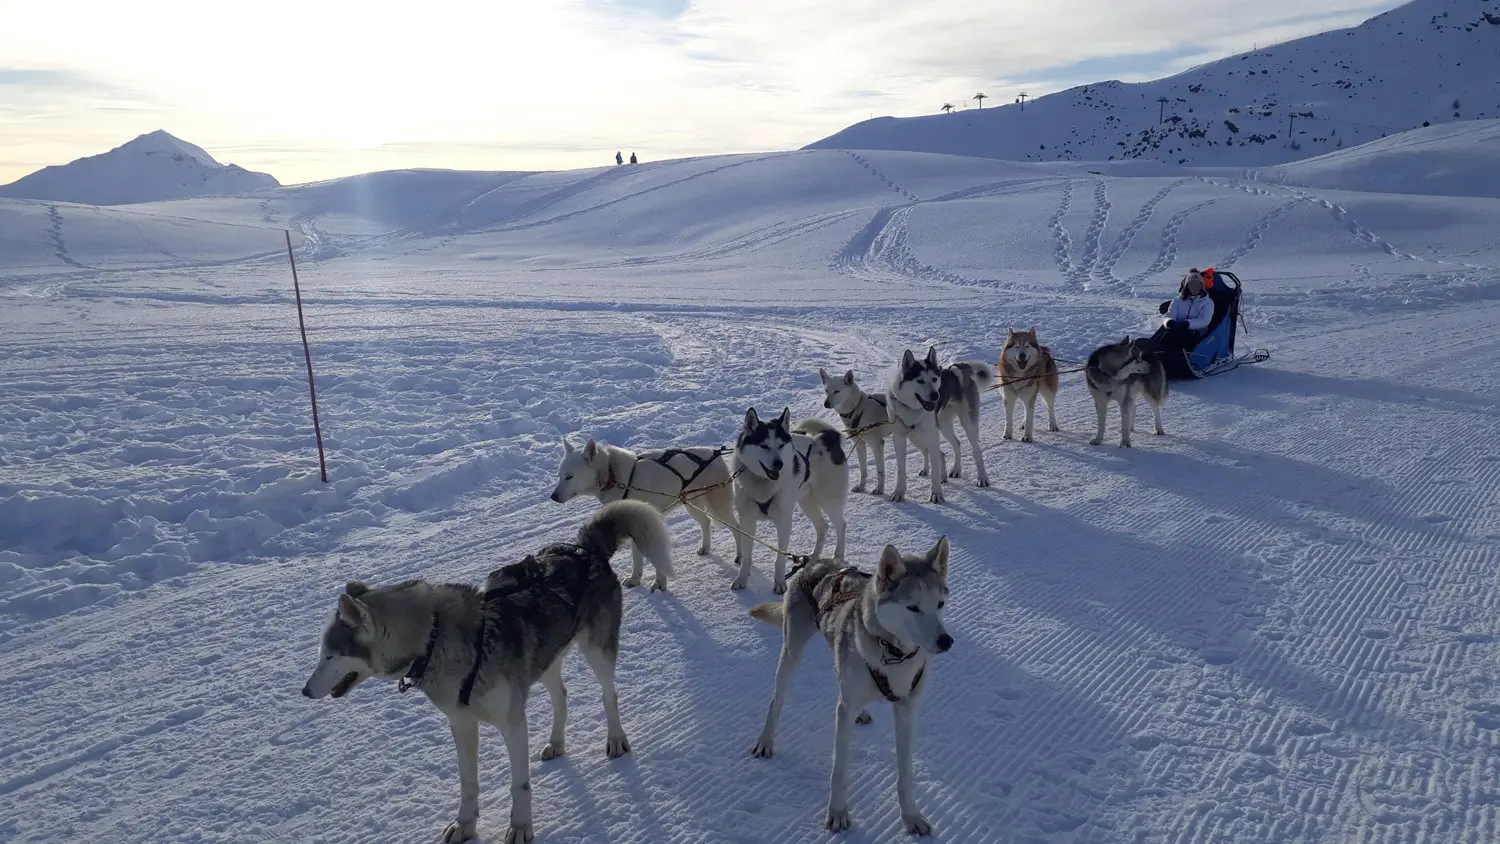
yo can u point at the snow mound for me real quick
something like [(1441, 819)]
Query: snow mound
[(153, 167), (1461, 159), (1430, 61)]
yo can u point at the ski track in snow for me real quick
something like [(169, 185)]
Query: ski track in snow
[(1276, 623)]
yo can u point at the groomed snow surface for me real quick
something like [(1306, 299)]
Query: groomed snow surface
[(1278, 623)]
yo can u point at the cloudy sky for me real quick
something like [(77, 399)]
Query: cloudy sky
[(321, 88)]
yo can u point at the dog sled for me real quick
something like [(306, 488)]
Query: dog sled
[(1213, 353)]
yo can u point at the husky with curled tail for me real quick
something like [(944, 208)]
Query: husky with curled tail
[(883, 630), (475, 653), (778, 467), (925, 398)]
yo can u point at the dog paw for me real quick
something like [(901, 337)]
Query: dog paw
[(1160, 432), (779, 587), (863, 717), (898, 495), (739, 583), (1125, 444), (762, 749), (916, 824), (553, 750), (1096, 441), (936, 498), (1053, 428), (459, 832), (857, 488), (982, 483), (1026, 438), (1006, 436), (704, 551), (616, 747), (879, 490), (659, 585), (520, 833), (838, 819), (631, 582), (956, 473)]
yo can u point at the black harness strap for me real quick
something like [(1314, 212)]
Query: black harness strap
[(523, 582), (414, 674), (883, 683)]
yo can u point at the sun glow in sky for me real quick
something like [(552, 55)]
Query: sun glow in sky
[(322, 88)]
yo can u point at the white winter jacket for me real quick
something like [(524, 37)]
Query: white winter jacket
[(1196, 312)]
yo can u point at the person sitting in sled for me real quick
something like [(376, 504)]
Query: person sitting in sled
[(1186, 318)]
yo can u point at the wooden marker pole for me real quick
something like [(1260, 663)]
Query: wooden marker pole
[(307, 353)]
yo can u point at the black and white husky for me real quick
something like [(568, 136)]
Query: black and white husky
[(476, 653), (865, 415), (925, 398), (883, 629), (1123, 372), (776, 468)]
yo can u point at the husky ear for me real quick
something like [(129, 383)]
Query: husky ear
[(932, 355), (752, 419), (822, 375), (567, 446), (355, 588), (849, 378), (1032, 332), (908, 359), (591, 448), (353, 611), (785, 420), (938, 558), (891, 567)]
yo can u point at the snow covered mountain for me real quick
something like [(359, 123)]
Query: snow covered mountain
[(151, 168), (1428, 62)]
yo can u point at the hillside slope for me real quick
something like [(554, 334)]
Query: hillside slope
[(1428, 62), (150, 168)]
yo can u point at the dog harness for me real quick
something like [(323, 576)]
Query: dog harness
[(664, 460), (414, 674), (522, 580), (890, 654), (854, 419)]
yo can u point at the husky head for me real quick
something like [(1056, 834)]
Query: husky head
[(765, 448), (920, 381), (842, 393), (1126, 359), (350, 643), (580, 470), (1022, 349), (912, 594)]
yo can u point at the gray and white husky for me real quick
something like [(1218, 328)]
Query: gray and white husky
[(863, 412), (657, 477), (883, 629), (1123, 372), (476, 653), (776, 468), (925, 398)]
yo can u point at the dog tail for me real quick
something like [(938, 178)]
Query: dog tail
[(829, 438), (982, 372), (637, 521), (769, 613)]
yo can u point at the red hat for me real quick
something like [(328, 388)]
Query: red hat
[(1208, 278)]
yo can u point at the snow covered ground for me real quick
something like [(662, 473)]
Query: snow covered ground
[(1278, 623)]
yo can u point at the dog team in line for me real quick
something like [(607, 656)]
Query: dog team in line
[(476, 653)]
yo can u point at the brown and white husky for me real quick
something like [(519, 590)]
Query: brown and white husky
[(1026, 371)]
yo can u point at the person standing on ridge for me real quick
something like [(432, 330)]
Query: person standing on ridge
[(619, 159), (632, 159)]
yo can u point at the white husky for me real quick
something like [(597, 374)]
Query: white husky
[(778, 467), (864, 413), (657, 477)]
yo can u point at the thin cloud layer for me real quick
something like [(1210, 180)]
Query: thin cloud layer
[(315, 90)]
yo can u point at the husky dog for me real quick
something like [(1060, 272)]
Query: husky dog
[(1027, 370), (863, 412), (1122, 372), (883, 630), (476, 654), (657, 477), (778, 467), (925, 398)]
